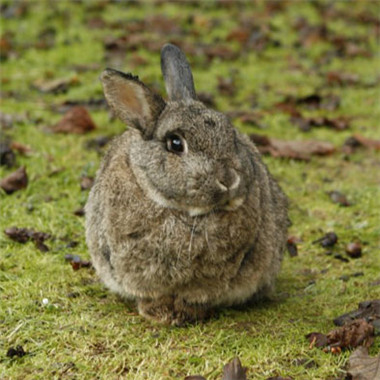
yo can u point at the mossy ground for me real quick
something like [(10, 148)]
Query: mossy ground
[(84, 332)]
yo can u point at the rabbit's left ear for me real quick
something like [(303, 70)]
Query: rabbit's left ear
[(133, 102), (177, 74)]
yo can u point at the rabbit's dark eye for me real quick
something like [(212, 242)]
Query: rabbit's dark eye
[(176, 144)]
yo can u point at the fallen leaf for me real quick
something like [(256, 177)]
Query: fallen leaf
[(361, 366), (17, 351), (368, 310), (75, 120), (292, 246), (313, 101), (328, 240), (23, 235), (299, 149), (15, 181), (234, 370), (339, 198), (353, 334), (195, 377), (77, 262), (354, 250), (55, 86), (79, 212), (21, 148), (307, 123), (317, 339), (7, 156), (366, 142), (341, 78)]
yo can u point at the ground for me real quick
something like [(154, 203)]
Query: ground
[(263, 58)]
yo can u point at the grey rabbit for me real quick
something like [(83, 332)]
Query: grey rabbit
[(184, 215)]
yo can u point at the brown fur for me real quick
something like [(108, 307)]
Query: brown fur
[(163, 229)]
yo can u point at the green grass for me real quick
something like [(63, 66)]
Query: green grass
[(85, 332)]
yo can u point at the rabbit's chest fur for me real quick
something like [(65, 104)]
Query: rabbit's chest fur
[(152, 251)]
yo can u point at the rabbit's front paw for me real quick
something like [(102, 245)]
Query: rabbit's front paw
[(159, 310), (171, 311)]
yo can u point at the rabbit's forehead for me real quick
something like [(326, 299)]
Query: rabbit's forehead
[(197, 123)]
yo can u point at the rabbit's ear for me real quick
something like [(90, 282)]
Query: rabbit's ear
[(130, 100), (177, 74)]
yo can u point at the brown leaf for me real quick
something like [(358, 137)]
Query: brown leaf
[(54, 86), (195, 377), (361, 366), (18, 352), (341, 78), (328, 240), (367, 142), (15, 181), (307, 123), (368, 310), (292, 246), (7, 156), (77, 262), (313, 101), (317, 339), (299, 150), (354, 334), (21, 148), (279, 378), (75, 120), (79, 212), (234, 370), (23, 235), (339, 198)]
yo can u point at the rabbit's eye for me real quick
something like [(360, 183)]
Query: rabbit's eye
[(175, 144)]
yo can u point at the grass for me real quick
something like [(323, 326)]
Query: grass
[(85, 332)]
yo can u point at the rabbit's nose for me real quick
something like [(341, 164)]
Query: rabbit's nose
[(230, 181)]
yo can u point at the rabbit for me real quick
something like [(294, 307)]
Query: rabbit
[(184, 216)]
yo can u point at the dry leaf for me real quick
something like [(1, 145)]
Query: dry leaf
[(328, 240), (369, 310), (15, 181), (298, 150), (55, 86), (7, 156), (234, 370), (75, 120), (361, 366), (23, 235), (77, 262), (339, 198)]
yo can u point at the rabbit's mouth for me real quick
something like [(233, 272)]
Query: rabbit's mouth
[(229, 205)]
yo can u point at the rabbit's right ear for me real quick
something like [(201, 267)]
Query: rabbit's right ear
[(133, 102)]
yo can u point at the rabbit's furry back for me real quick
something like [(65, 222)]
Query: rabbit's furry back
[(183, 215)]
